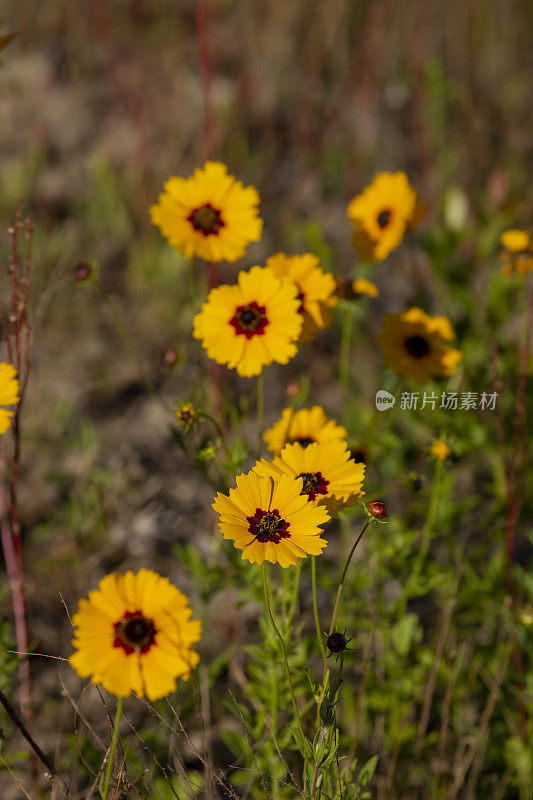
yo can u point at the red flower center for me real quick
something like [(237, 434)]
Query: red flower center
[(268, 526), (417, 346), (206, 219), (384, 218), (314, 484), (305, 441), (134, 632), (250, 320)]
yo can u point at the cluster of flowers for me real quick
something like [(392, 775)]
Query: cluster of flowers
[(135, 632)]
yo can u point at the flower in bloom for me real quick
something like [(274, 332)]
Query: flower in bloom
[(305, 426), (135, 634), (516, 252), (210, 214), (353, 290), (270, 520), (316, 289), (440, 449), (381, 214), (330, 477), (251, 324), (187, 416), (9, 394), (414, 345)]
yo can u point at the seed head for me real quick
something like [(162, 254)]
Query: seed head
[(187, 415)]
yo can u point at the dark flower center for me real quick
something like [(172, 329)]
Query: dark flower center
[(417, 346), (206, 219), (268, 526), (314, 484), (249, 320), (384, 218), (301, 296), (135, 633), (305, 441)]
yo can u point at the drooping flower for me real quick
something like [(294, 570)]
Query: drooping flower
[(316, 289), (9, 394), (135, 634), (516, 252), (381, 214), (210, 214), (305, 426), (270, 520), (414, 345), (251, 324), (440, 449), (330, 476)]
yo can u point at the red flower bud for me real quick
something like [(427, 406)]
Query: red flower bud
[(378, 509), (169, 357), (83, 272)]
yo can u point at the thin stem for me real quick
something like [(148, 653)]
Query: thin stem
[(315, 609), (338, 597), (218, 429), (294, 598), (260, 407), (267, 591), (345, 351), (112, 749)]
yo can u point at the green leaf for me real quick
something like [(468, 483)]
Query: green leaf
[(367, 771)]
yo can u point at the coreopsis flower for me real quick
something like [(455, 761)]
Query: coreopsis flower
[(251, 324), (381, 214), (210, 214), (9, 394), (440, 449), (316, 289), (305, 426), (135, 634), (353, 290), (516, 252), (187, 416), (330, 477), (270, 520), (415, 345)]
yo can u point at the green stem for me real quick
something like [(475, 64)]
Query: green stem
[(345, 350), (218, 429), (260, 412), (338, 597), (315, 609), (294, 598), (425, 539), (266, 588), (112, 749)]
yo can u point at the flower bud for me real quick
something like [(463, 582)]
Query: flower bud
[(169, 357), (83, 272), (336, 642), (378, 509), (187, 415), (292, 389)]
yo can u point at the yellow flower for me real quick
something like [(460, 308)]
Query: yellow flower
[(305, 426), (362, 286), (211, 214), (330, 476), (516, 253), (413, 344), (134, 634), (187, 416), (251, 324), (270, 520), (316, 289), (381, 214), (9, 394), (440, 449)]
